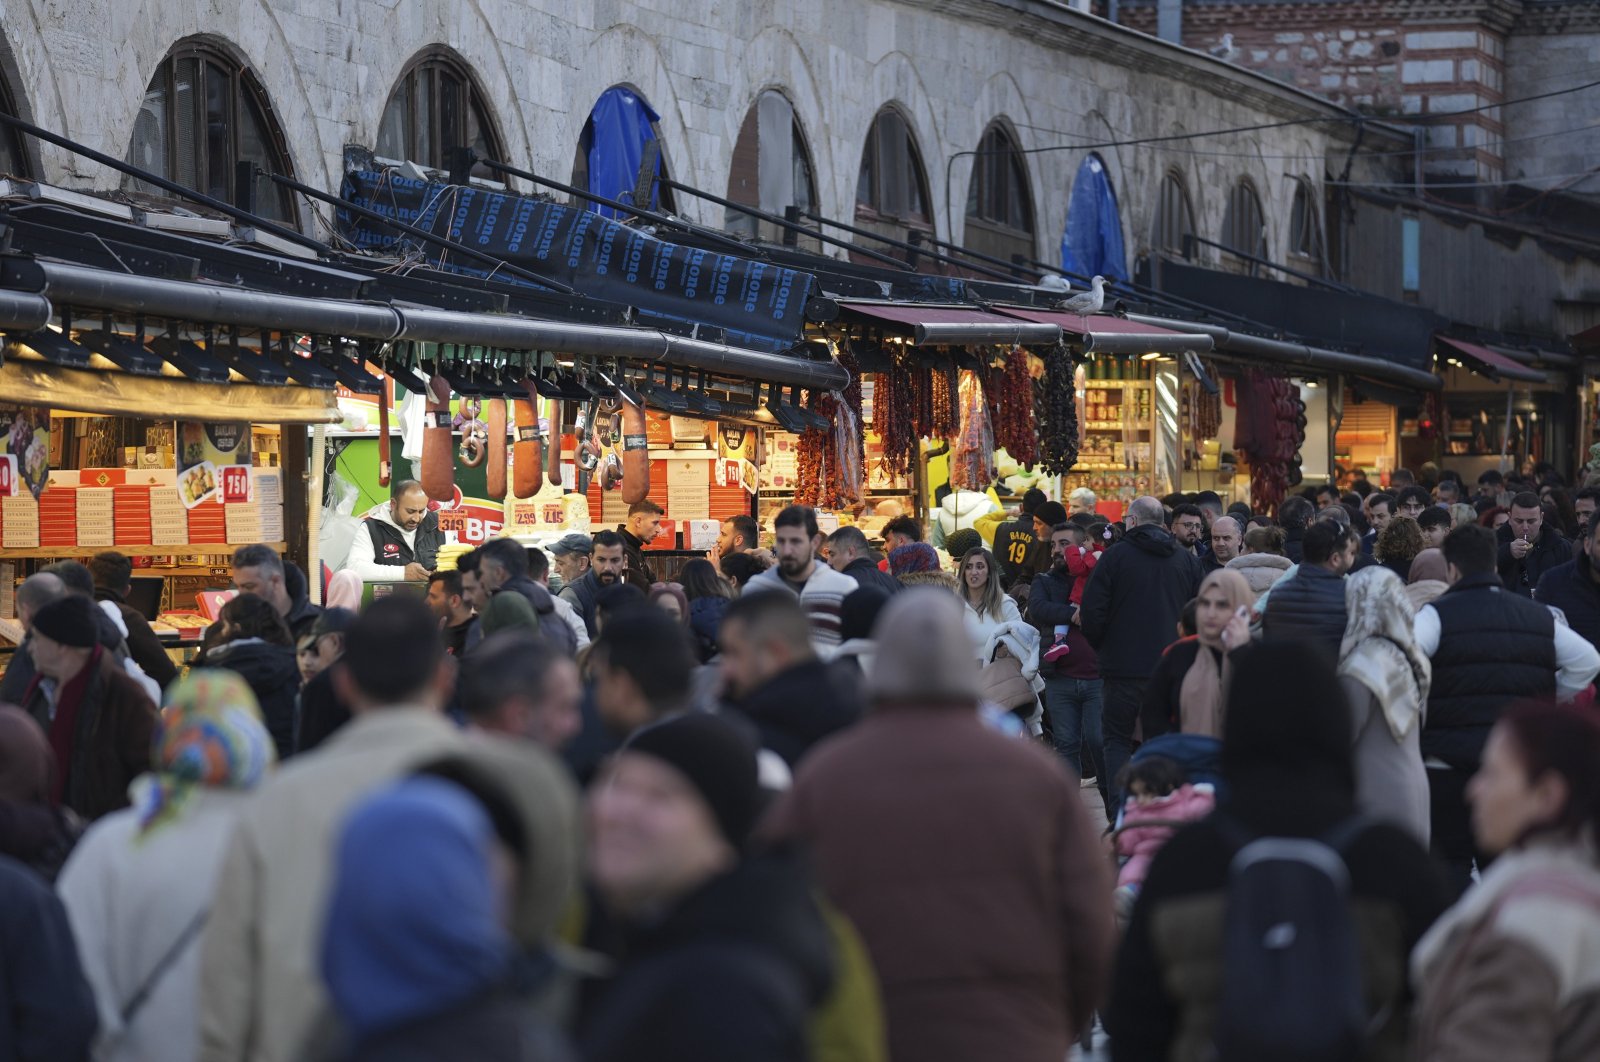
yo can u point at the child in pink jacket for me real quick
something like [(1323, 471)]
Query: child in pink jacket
[(1157, 797)]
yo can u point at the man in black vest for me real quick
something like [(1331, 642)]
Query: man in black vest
[(1310, 606), (397, 541), (1490, 649)]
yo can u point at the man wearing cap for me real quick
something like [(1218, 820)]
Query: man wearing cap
[(98, 719), (397, 541), (572, 555), (964, 858), (725, 954)]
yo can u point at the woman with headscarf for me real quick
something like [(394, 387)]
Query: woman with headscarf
[(1509, 971), (138, 888), (417, 950), (1287, 772), (1186, 691), (917, 564), (1427, 579), (1386, 678), (33, 830), (670, 598)]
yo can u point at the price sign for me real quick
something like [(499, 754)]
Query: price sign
[(8, 475), (235, 483)]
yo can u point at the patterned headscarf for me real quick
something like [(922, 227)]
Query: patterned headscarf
[(913, 557), (210, 734)]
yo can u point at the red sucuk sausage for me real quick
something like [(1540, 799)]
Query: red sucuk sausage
[(384, 459), (438, 454), (527, 455), (552, 454), (635, 453), (496, 470)]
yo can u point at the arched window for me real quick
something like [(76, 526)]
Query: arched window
[(1305, 227), (13, 153), (204, 113), (436, 107), (892, 187), (771, 168), (1174, 216), (1244, 228), (1092, 242), (611, 150), (999, 207)]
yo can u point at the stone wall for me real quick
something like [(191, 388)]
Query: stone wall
[(1057, 76)]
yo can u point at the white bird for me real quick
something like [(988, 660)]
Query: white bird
[(1054, 282), (1225, 49), (1087, 302)]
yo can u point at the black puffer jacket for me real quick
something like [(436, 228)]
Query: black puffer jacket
[(273, 677), (1549, 551), (1309, 607), (799, 707), (1134, 598), (730, 975), (1571, 587)]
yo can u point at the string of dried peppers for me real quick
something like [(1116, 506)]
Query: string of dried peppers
[(829, 462), (1010, 394), (1055, 411)]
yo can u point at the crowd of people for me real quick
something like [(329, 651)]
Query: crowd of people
[(1319, 785)]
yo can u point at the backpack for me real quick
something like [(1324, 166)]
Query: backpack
[(1291, 973)]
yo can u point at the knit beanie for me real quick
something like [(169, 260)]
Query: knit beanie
[(509, 609), (960, 542), (924, 651), (716, 760), (68, 620), (913, 557), (1051, 513)]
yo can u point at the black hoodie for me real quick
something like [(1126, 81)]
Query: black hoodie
[(1134, 599), (273, 677), (730, 974)]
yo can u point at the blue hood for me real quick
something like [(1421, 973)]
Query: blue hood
[(412, 928)]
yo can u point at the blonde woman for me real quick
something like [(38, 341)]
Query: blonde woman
[(988, 608)]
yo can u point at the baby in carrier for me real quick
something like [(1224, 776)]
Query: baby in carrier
[(1160, 799)]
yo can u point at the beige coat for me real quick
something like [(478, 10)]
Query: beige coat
[(262, 997), (1513, 969)]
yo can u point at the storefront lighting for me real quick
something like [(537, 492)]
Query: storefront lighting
[(1149, 356), (1312, 383), (122, 352), (51, 346), (190, 359)]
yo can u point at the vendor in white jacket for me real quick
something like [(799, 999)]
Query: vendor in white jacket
[(398, 540), (960, 508)]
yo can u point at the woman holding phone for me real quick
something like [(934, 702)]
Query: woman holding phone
[(1186, 691)]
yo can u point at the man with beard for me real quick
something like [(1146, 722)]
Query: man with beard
[(821, 590), (449, 603), (400, 540), (1072, 689)]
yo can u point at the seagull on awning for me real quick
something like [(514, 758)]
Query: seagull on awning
[(1224, 49), (1088, 302), (1054, 282)]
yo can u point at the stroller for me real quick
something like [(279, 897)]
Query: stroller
[(1134, 843)]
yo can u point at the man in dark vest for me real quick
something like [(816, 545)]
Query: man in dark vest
[(397, 541), (1490, 649)]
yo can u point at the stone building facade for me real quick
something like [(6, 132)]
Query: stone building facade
[(1048, 76), (1422, 57)]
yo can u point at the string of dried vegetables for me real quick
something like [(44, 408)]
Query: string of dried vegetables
[(1010, 393), (972, 455), (895, 404), (830, 462), (1055, 409)]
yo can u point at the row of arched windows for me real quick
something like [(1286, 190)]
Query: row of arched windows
[(204, 113)]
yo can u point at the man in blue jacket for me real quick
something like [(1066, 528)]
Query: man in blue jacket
[(1131, 606)]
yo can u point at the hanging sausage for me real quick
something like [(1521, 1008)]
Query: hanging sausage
[(635, 453), (527, 455), (385, 465), (553, 450), (496, 472), (438, 455)]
